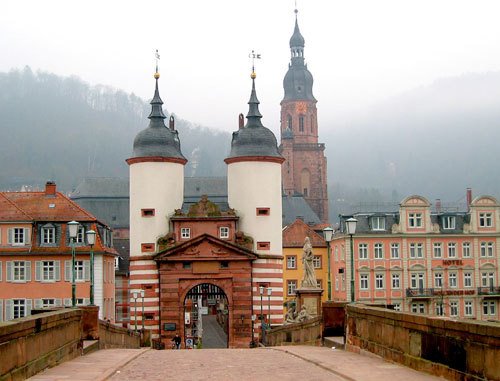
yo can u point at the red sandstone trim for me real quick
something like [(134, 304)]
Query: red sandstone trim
[(141, 258), (269, 159), (155, 159)]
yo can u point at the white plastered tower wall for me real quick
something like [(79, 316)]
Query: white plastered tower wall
[(158, 186), (252, 185)]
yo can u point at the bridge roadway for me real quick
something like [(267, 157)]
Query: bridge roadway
[(276, 363)]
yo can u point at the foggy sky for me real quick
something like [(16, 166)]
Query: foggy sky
[(359, 52)]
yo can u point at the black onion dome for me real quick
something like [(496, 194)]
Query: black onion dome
[(298, 83), (254, 139), (157, 139)]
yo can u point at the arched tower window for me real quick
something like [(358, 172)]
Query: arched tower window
[(301, 123), (305, 178), (289, 122)]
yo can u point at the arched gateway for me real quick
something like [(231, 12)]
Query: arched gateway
[(216, 272)]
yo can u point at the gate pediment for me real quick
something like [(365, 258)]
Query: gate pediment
[(205, 248)]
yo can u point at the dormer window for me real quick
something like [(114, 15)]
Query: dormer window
[(185, 233), (415, 220), (224, 232), (449, 222), (48, 234), (378, 223), (80, 235), (485, 220)]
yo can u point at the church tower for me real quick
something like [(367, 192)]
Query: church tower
[(156, 171), (304, 169)]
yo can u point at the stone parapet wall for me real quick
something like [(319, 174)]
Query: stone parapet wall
[(31, 344), (306, 333), (454, 349), (111, 336)]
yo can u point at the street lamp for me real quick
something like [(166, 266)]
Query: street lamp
[(73, 231), (269, 293), (351, 229), (91, 241), (261, 292), (328, 235), (142, 318), (134, 295)]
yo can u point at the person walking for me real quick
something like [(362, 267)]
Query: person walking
[(177, 341)]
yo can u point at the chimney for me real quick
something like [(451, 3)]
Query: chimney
[(438, 205), (241, 121), (50, 188), (469, 198)]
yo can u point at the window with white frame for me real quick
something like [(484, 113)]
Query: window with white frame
[(487, 279), (416, 250), (379, 281), (223, 232), (379, 251), (291, 262), (437, 249), (394, 250), (418, 308), (363, 251), (19, 308), (291, 286), (185, 233), (466, 250), (452, 279), (486, 249), (79, 271), (363, 281), (489, 307), (48, 303), (486, 220), (396, 306), (454, 308), (439, 309), (438, 280), (48, 270), (449, 222), (18, 236), (48, 234), (395, 281), (378, 223), (414, 220), (417, 280), (317, 261), (19, 271), (80, 234), (467, 279), (452, 250), (468, 308)]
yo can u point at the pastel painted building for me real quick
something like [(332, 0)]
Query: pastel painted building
[(424, 261), (35, 255)]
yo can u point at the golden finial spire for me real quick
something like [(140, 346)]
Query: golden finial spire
[(253, 56), (157, 58)]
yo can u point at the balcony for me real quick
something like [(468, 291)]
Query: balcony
[(421, 293), (491, 291)]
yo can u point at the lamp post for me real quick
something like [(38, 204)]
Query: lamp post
[(73, 231), (91, 241), (327, 235), (261, 292), (269, 293), (252, 343), (142, 317), (134, 295), (351, 229)]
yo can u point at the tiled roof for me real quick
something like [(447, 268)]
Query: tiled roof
[(295, 234), (42, 207), (9, 211)]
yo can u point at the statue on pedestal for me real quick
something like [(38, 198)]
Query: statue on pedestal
[(309, 279)]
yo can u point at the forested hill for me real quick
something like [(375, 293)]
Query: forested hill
[(63, 129)]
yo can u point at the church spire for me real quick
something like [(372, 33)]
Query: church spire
[(297, 42), (254, 115)]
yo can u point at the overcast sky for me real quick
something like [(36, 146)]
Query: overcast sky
[(359, 52)]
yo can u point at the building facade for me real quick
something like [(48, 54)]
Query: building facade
[(36, 257), (422, 261), (205, 258), (304, 169)]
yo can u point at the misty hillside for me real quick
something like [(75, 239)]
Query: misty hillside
[(63, 129), (435, 141)]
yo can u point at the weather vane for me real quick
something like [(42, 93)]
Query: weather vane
[(157, 58), (254, 56)]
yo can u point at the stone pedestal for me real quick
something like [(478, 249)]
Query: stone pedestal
[(311, 298)]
